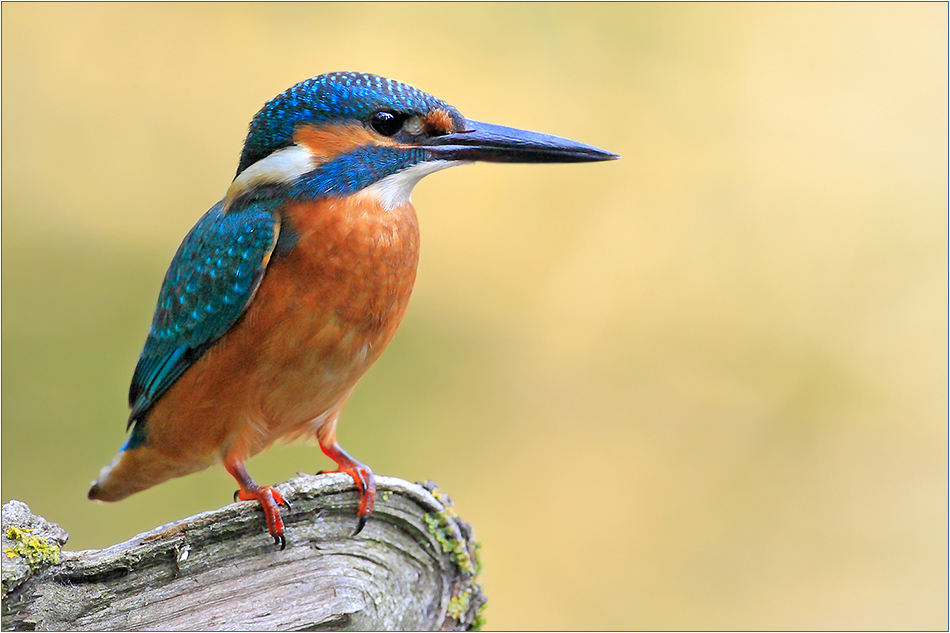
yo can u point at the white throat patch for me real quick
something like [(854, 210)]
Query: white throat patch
[(396, 190)]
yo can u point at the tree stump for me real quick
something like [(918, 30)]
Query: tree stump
[(414, 566)]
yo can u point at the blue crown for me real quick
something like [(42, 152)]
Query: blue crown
[(330, 97)]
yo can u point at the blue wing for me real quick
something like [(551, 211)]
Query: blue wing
[(209, 284)]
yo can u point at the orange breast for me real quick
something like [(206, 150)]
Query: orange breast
[(323, 314)]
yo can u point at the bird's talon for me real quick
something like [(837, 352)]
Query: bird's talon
[(362, 477), (280, 540), (236, 493), (360, 523)]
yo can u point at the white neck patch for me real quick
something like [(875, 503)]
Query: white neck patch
[(284, 165), (290, 163), (396, 190)]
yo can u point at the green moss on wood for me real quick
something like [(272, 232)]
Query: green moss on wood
[(478, 622), (444, 526), (37, 551), (440, 526), (458, 605)]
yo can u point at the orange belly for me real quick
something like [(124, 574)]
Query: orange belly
[(323, 314)]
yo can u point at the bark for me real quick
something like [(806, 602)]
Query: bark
[(414, 566)]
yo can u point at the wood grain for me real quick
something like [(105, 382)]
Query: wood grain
[(220, 570)]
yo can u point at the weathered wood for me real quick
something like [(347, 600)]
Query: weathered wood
[(413, 566)]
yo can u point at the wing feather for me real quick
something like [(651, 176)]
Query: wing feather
[(207, 288)]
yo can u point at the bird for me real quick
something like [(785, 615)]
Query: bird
[(288, 289)]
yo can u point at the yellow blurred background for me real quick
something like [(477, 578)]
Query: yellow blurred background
[(704, 386)]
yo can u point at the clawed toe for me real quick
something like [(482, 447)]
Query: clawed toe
[(360, 524), (269, 499)]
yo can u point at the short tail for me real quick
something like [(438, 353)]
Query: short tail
[(136, 469)]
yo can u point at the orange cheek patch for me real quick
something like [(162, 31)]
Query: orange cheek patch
[(439, 122), (330, 141)]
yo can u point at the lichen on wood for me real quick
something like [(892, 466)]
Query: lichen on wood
[(220, 570)]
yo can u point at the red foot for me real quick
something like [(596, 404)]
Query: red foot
[(366, 484), (362, 475), (269, 499)]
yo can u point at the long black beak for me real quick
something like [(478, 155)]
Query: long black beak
[(496, 143)]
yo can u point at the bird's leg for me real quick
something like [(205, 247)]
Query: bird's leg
[(267, 496), (361, 473)]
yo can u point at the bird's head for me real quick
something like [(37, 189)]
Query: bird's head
[(339, 133)]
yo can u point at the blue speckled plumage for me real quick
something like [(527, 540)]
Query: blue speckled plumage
[(220, 263), (350, 172), (341, 96), (238, 358), (208, 285)]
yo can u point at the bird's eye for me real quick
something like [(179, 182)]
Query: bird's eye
[(386, 122)]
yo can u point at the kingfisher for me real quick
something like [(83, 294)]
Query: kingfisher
[(289, 288)]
